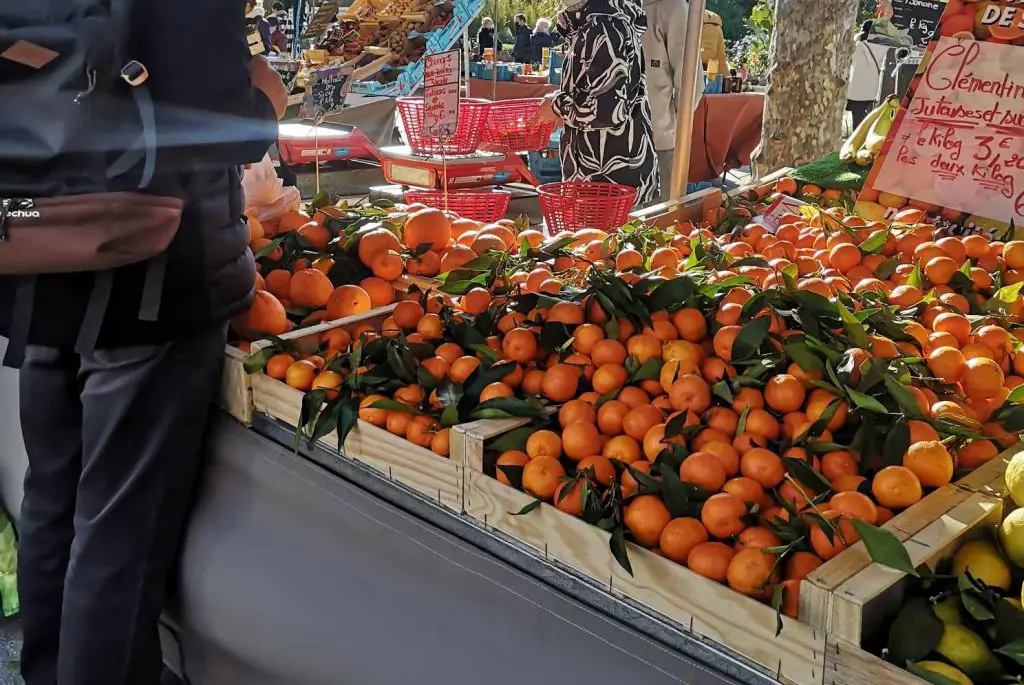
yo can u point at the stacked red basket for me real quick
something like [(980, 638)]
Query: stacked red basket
[(572, 205), (470, 131), (485, 206), (513, 123)]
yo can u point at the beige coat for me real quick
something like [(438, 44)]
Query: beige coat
[(664, 45)]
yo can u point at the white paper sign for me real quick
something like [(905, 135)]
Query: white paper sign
[(961, 142), (441, 93), (783, 206)]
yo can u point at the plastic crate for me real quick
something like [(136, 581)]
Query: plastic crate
[(486, 206), (572, 205), (513, 123), (546, 167), (505, 72), (468, 134)]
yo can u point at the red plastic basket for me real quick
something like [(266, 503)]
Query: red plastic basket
[(572, 205), (471, 128), (514, 123), (486, 206)]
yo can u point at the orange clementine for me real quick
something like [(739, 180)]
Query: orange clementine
[(896, 487), (763, 466), (541, 477), (711, 560), (930, 462), (750, 572), (842, 536), (428, 226), (622, 448), (561, 383), (722, 515), (704, 471), (680, 536), (646, 517)]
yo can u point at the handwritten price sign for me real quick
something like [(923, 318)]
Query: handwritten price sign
[(960, 144), (441, 93)]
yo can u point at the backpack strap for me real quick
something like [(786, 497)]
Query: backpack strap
[(99, 298), (153, 288), (144, 147), (21, 321)]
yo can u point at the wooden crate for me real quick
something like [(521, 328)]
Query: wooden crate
[(438, 479), (236, 386), (835, 596), (664, 588), (865, 603)]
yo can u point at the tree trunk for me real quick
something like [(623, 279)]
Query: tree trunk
[(811, 51)]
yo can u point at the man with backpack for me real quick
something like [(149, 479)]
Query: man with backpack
[(123, 253)]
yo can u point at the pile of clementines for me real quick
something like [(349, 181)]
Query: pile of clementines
[(345, 261), (733, 402)]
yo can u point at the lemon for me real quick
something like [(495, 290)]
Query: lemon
[(983, 560), (1011, 535), (944, 669), (968, 652), (1014, 478), (872, 211), (948, 610)]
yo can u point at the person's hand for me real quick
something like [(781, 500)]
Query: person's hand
[(546, 114), (269, 82)]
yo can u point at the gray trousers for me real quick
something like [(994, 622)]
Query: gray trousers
[(114, 441)]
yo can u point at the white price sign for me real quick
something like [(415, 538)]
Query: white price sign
[(441, 93)]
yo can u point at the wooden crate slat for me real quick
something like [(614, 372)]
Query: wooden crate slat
[(847, 664), (668, 589), (467, 443), (308, 337), (236, 387)]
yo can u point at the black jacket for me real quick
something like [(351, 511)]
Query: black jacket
[(539, 41), (608, 137), (485, 39), (210, 120), (522, 49)]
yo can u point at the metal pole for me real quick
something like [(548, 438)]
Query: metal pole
[(685, 99), (494, 51), (297, 28), (465, 56)]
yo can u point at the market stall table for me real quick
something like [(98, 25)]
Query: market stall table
[(726, 130), (508, 90)]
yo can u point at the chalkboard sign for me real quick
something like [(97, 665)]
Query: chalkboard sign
[(919, 18), (325, 14), (326, 91)]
